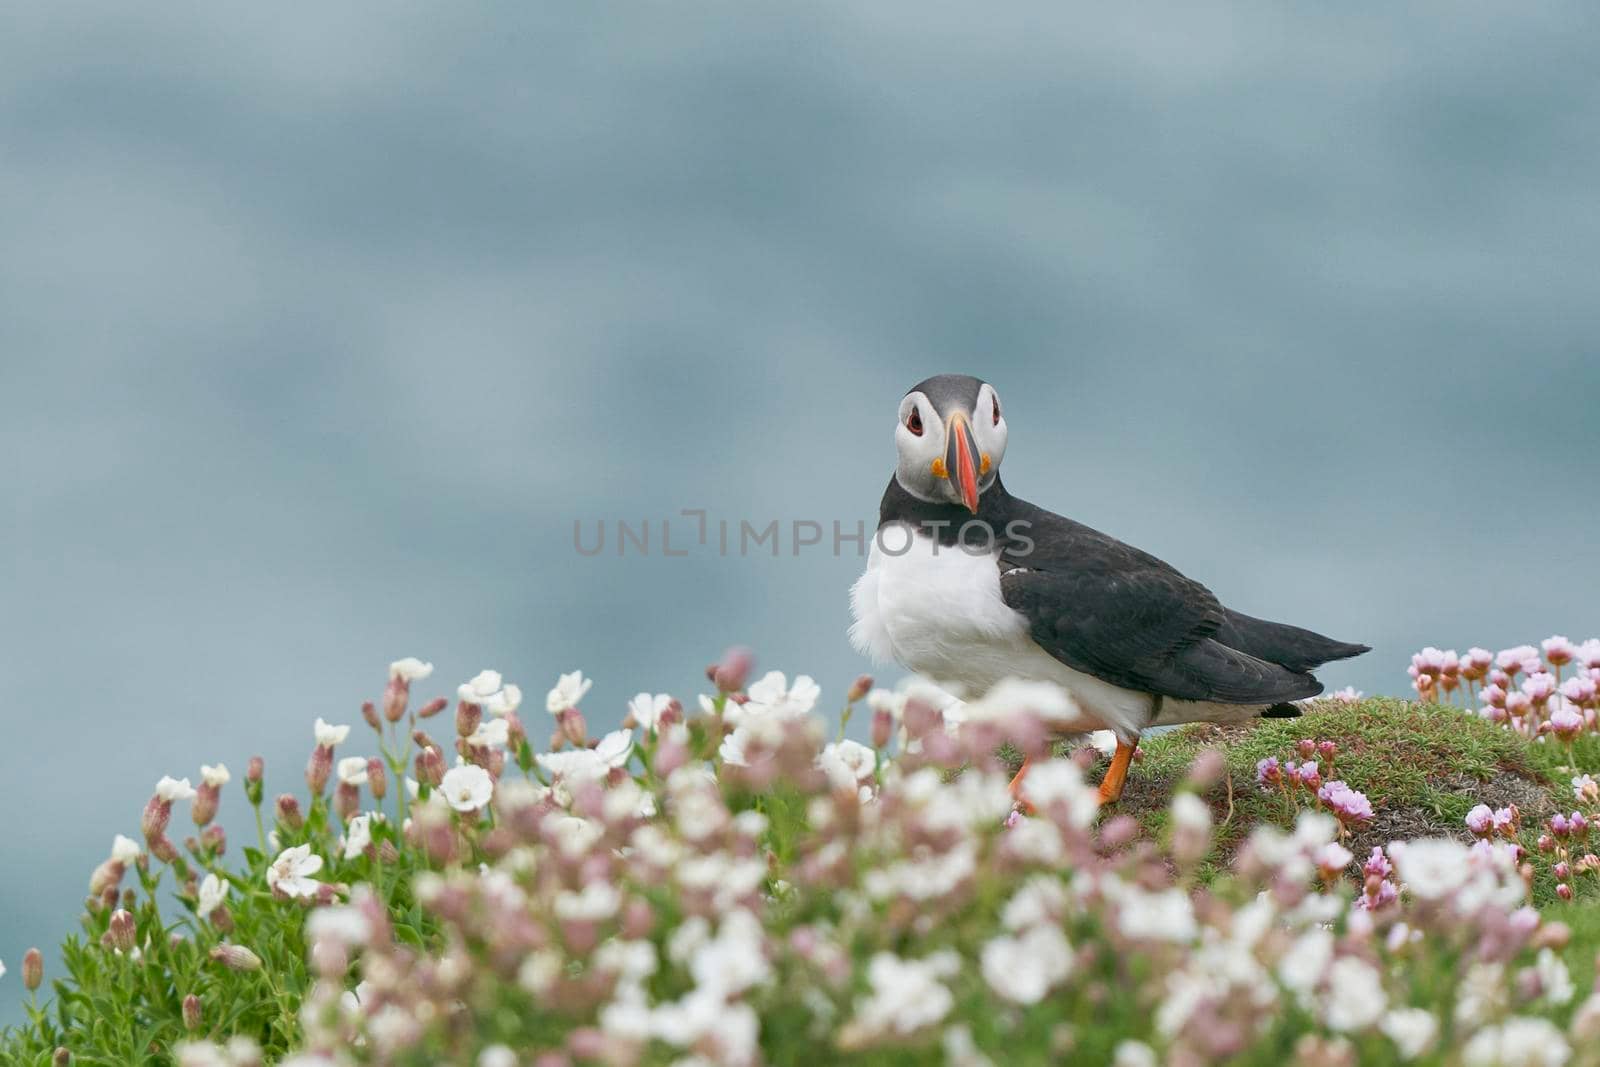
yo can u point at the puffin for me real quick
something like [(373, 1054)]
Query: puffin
[(968, 585)]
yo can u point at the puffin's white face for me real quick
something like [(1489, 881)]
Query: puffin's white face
[(950, 446)]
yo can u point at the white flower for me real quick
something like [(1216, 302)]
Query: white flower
[(848, 763), (352, 770), (646, 709), (491, 733), (216, 777), (1023, 969), (328, 736), (291, 872), (906, 995), (1060, 780), (125, 850), (1430, 867), (504, 702), (1164, 916), (569, 689), (483, 685), (1303, 965), (497, 1056), (1355, 998), (1411, 1029), (735, 959), (1348, 695), (772, 695), (615, 748), (357, 836), (1555, 982), (213, 894), (1520, 1041), (1047, 701), (1133, 1054), (1189, 812), (732, 748), (596, 901), (410, 669), (574, 765), (170, 789), (467, 788)]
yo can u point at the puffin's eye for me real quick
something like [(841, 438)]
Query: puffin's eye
[(996, 401), (914, 422)]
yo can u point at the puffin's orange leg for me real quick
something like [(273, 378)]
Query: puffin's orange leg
[(1016, 786), (1117, 774)]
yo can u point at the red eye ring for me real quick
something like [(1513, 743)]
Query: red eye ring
[(914, 422), (996, 400)]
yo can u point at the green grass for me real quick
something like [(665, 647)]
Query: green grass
[(1423, 766)]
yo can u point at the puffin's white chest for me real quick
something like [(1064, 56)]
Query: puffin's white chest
[(936, 610), (939, 612)]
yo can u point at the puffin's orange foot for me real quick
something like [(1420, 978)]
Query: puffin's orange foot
[(1117, 774), (1015, 789)]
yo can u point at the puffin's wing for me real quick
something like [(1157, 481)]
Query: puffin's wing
[(1131, 620)]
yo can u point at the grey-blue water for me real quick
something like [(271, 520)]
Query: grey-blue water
[(319, 330)]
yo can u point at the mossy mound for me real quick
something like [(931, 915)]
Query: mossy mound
[(1423, 766)]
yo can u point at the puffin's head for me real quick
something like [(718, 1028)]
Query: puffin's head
[(951, 437)]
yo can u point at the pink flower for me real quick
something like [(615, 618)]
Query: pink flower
[(1377, 865), (1566, 724), (1347, 805), (1589, 653), (1309, 775), (1268, 772), (1540, 686), (1558, 650), (1521, 658), (1580, 689), (1476, 663), (1348, 695), (1505, 821), (1494, 695), (1480, 820)]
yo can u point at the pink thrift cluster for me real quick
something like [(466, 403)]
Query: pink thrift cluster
[(1552, 690), (1310, 780)]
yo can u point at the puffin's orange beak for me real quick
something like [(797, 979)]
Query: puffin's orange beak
[(961, 459)]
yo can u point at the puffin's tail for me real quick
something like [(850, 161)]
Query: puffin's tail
[(1288, 646)]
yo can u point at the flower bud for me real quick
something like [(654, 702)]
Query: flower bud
[(430, 766), (204, 808), (346, 800), (319, 768), (859, 688), (62, 1057), (882, 727), (236, 957), (370, 715), (214, 838), (32, 969), (733, 669), (433, 707), (377, 778), (154, 820), (122, 932), (1561, 871), (395, 696), (288, 810), (1564, 891), (252, 780), (1307, 747), (468, 716), (573, 727), (191, 1013)]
